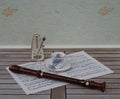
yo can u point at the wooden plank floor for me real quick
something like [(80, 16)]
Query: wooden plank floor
[(110, 57)]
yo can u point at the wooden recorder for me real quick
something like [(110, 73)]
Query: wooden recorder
[(40, 74)]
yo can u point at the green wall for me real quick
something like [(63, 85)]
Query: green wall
[(63, 22)]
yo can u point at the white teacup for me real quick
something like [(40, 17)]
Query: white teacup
[(57, 59)]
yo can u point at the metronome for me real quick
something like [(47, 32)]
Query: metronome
[(37, 53)]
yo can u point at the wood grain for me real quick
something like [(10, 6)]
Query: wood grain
[(108, 56)]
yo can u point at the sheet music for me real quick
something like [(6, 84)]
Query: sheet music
[(83, 67)]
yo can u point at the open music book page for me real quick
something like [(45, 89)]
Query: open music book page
[(83, 66)]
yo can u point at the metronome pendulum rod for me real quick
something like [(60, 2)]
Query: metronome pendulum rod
[(41, 45), (36, 42)]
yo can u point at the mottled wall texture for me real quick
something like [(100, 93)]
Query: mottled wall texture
[(63, 22)]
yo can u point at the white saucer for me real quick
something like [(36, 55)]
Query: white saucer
[(64, 68)]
